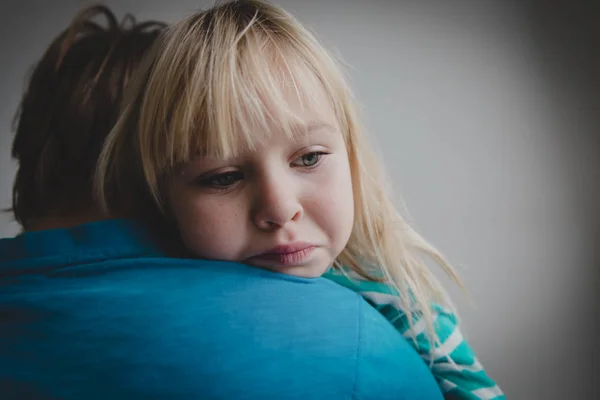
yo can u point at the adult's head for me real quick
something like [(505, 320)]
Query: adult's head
[(71, 102)]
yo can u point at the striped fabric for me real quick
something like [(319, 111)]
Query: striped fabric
[(452, 361)]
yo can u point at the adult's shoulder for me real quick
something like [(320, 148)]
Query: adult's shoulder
[(178, 328)]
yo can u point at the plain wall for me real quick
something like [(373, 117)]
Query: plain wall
[(485, 114)]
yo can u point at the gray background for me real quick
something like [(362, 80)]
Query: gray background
[(485, 113)]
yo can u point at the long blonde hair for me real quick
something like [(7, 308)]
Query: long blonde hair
[(211, 74)]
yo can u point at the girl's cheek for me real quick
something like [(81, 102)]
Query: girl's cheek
[(213, 229)]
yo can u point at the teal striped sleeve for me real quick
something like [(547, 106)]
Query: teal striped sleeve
[(452, 361)]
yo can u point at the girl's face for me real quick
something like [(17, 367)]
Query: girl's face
[(285, 206)]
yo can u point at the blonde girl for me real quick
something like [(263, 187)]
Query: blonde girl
[(242, 135)]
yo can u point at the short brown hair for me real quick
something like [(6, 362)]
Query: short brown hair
[(71, 102)]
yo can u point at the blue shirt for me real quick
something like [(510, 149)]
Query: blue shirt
[(97, 312)]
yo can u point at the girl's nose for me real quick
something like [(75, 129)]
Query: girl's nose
[(276, 203)]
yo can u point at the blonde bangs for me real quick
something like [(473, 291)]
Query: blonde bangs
[(222, 83)]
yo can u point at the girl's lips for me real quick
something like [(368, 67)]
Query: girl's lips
[(284, 255)]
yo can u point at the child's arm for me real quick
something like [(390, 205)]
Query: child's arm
[(460, 375)]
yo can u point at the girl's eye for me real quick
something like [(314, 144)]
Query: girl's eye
[(221, 181), (308, 160)]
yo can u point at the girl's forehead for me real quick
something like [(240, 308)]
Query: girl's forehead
[(302, 133)]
